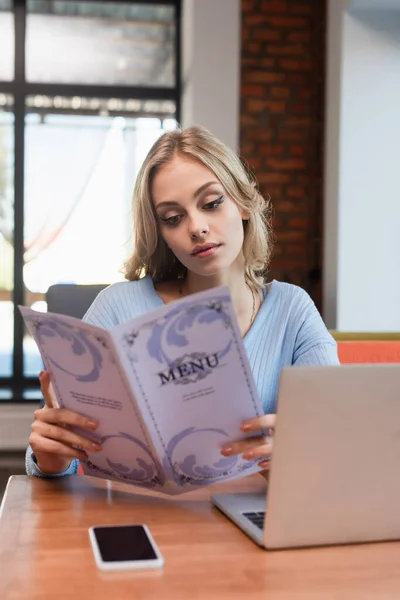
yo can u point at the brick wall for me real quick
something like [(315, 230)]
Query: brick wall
[(281, 129)]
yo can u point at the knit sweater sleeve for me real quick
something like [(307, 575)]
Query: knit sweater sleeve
[(32, 468), (314, 344)]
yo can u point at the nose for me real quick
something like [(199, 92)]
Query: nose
[(198, 229)]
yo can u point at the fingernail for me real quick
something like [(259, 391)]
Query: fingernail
[(96, 446), (245, 427), (92, 424), (248, 455), (226, 450), (264, 464)]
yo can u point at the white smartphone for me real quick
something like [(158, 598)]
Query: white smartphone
[(123, 547)]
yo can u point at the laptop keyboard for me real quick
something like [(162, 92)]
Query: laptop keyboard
[(257, 518)]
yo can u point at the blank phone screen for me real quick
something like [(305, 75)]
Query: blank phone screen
[(125, 543)]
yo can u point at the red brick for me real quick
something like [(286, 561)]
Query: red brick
[(271, 149), (292, 64), (298, 223), (254, 48), (277, 251), (297, 150), (267, 35), (287, 22), (290, 135), (252, 91), (295, 121), (275, 106), (275, 6), (296, 192), (285, 206), (251, 62), (249, 5), (276, 223), (256, 163), (303, 37), (281, 126), (275, 194), (249, 120), (303, 179), (288, 164), (255, 19), (273, 177), (304, 94), (292, 236), (300, 108), (295, 250), (285, 49), (246, 149), (259, 134), (274, 121), (256, 105), (268, 63), (245, 35), (301, 8), (279, 92), (295, 79), (263, 77)]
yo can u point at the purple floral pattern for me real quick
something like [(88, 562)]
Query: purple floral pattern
[(79, 341), (186, 469), (140, 466)]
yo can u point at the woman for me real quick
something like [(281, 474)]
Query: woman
[(199, 221)]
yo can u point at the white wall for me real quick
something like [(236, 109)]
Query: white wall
[(336, 11), (211, 67), (362, 210), (375, 4)]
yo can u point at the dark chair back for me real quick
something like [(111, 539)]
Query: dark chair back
[(72, 299)]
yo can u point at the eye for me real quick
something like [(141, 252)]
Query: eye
[(170, 221), (214, 203)]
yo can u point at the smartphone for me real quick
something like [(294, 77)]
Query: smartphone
[(123, 547)]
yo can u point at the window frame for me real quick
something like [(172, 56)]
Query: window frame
[(18, 387)]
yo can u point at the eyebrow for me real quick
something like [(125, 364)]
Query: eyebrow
[(197, 193)]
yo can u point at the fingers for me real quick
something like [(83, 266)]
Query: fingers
[(256, 447), (265, 465), (63, 416), (62, 435), (45, 386), (52, 447), (52, 434), (251, 448), (259, 423)]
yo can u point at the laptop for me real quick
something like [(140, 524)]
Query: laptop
[(335, 470)]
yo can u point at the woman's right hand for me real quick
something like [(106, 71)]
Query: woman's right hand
[(51, 440)]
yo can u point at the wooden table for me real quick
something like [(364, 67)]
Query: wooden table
[(45, 551)]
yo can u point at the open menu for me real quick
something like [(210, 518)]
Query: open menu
[(169, 389)]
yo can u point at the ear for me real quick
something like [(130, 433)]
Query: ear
[(245, 215)]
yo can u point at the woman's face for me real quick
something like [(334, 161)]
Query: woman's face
[(200, 223)]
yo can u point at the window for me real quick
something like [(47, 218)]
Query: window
[(90, 87), (6, 41)]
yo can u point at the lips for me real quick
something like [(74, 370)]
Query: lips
[(204, 248)]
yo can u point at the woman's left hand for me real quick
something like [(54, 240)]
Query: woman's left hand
[(257, 446)]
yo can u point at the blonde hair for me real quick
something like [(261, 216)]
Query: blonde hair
[(151, 255)]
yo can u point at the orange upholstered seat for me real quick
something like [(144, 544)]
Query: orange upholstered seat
[(369, 351)]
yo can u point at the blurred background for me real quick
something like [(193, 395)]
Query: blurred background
[(308, 91)]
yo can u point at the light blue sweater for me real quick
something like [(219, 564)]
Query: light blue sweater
[(288, 330)]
